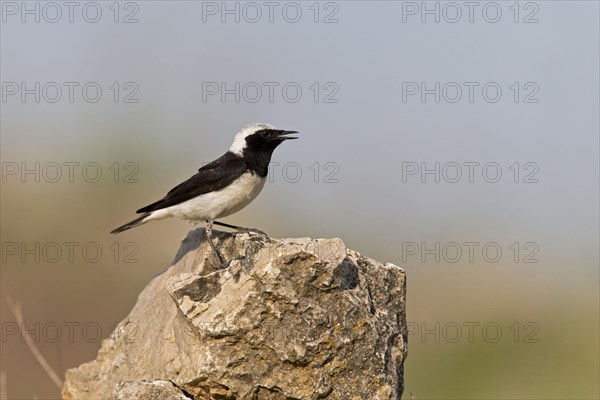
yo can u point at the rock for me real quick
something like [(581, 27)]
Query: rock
[(287, 319), (157, 390)]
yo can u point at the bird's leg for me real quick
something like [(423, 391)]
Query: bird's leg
[(237, 228), (207, 232), (242, 229)]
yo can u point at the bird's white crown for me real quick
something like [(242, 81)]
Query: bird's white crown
[(239, 142)]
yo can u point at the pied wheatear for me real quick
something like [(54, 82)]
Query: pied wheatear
[(221, 187)]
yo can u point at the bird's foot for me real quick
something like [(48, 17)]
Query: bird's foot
[(240, 229), (259, 233), (254, 231)]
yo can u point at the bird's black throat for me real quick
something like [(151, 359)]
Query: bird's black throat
[(258, 159)]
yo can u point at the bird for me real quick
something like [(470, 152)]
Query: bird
[(221, 187)]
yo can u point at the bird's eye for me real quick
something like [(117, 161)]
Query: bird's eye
[(265, 134)]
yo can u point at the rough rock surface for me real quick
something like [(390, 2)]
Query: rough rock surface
[(287, 319)]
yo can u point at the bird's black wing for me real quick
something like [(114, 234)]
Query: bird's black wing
[(213, 176)]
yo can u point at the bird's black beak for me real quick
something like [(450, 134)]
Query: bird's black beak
[(283, 135)]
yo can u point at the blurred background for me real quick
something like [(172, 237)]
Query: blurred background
[(458, 141)]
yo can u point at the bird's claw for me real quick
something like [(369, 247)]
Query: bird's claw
[(254, 231)]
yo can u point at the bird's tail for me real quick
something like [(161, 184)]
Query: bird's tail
[(132, 224)]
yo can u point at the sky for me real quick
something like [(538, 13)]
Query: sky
[(457, 140)]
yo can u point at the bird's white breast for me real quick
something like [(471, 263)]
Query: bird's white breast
[(219, 203)]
